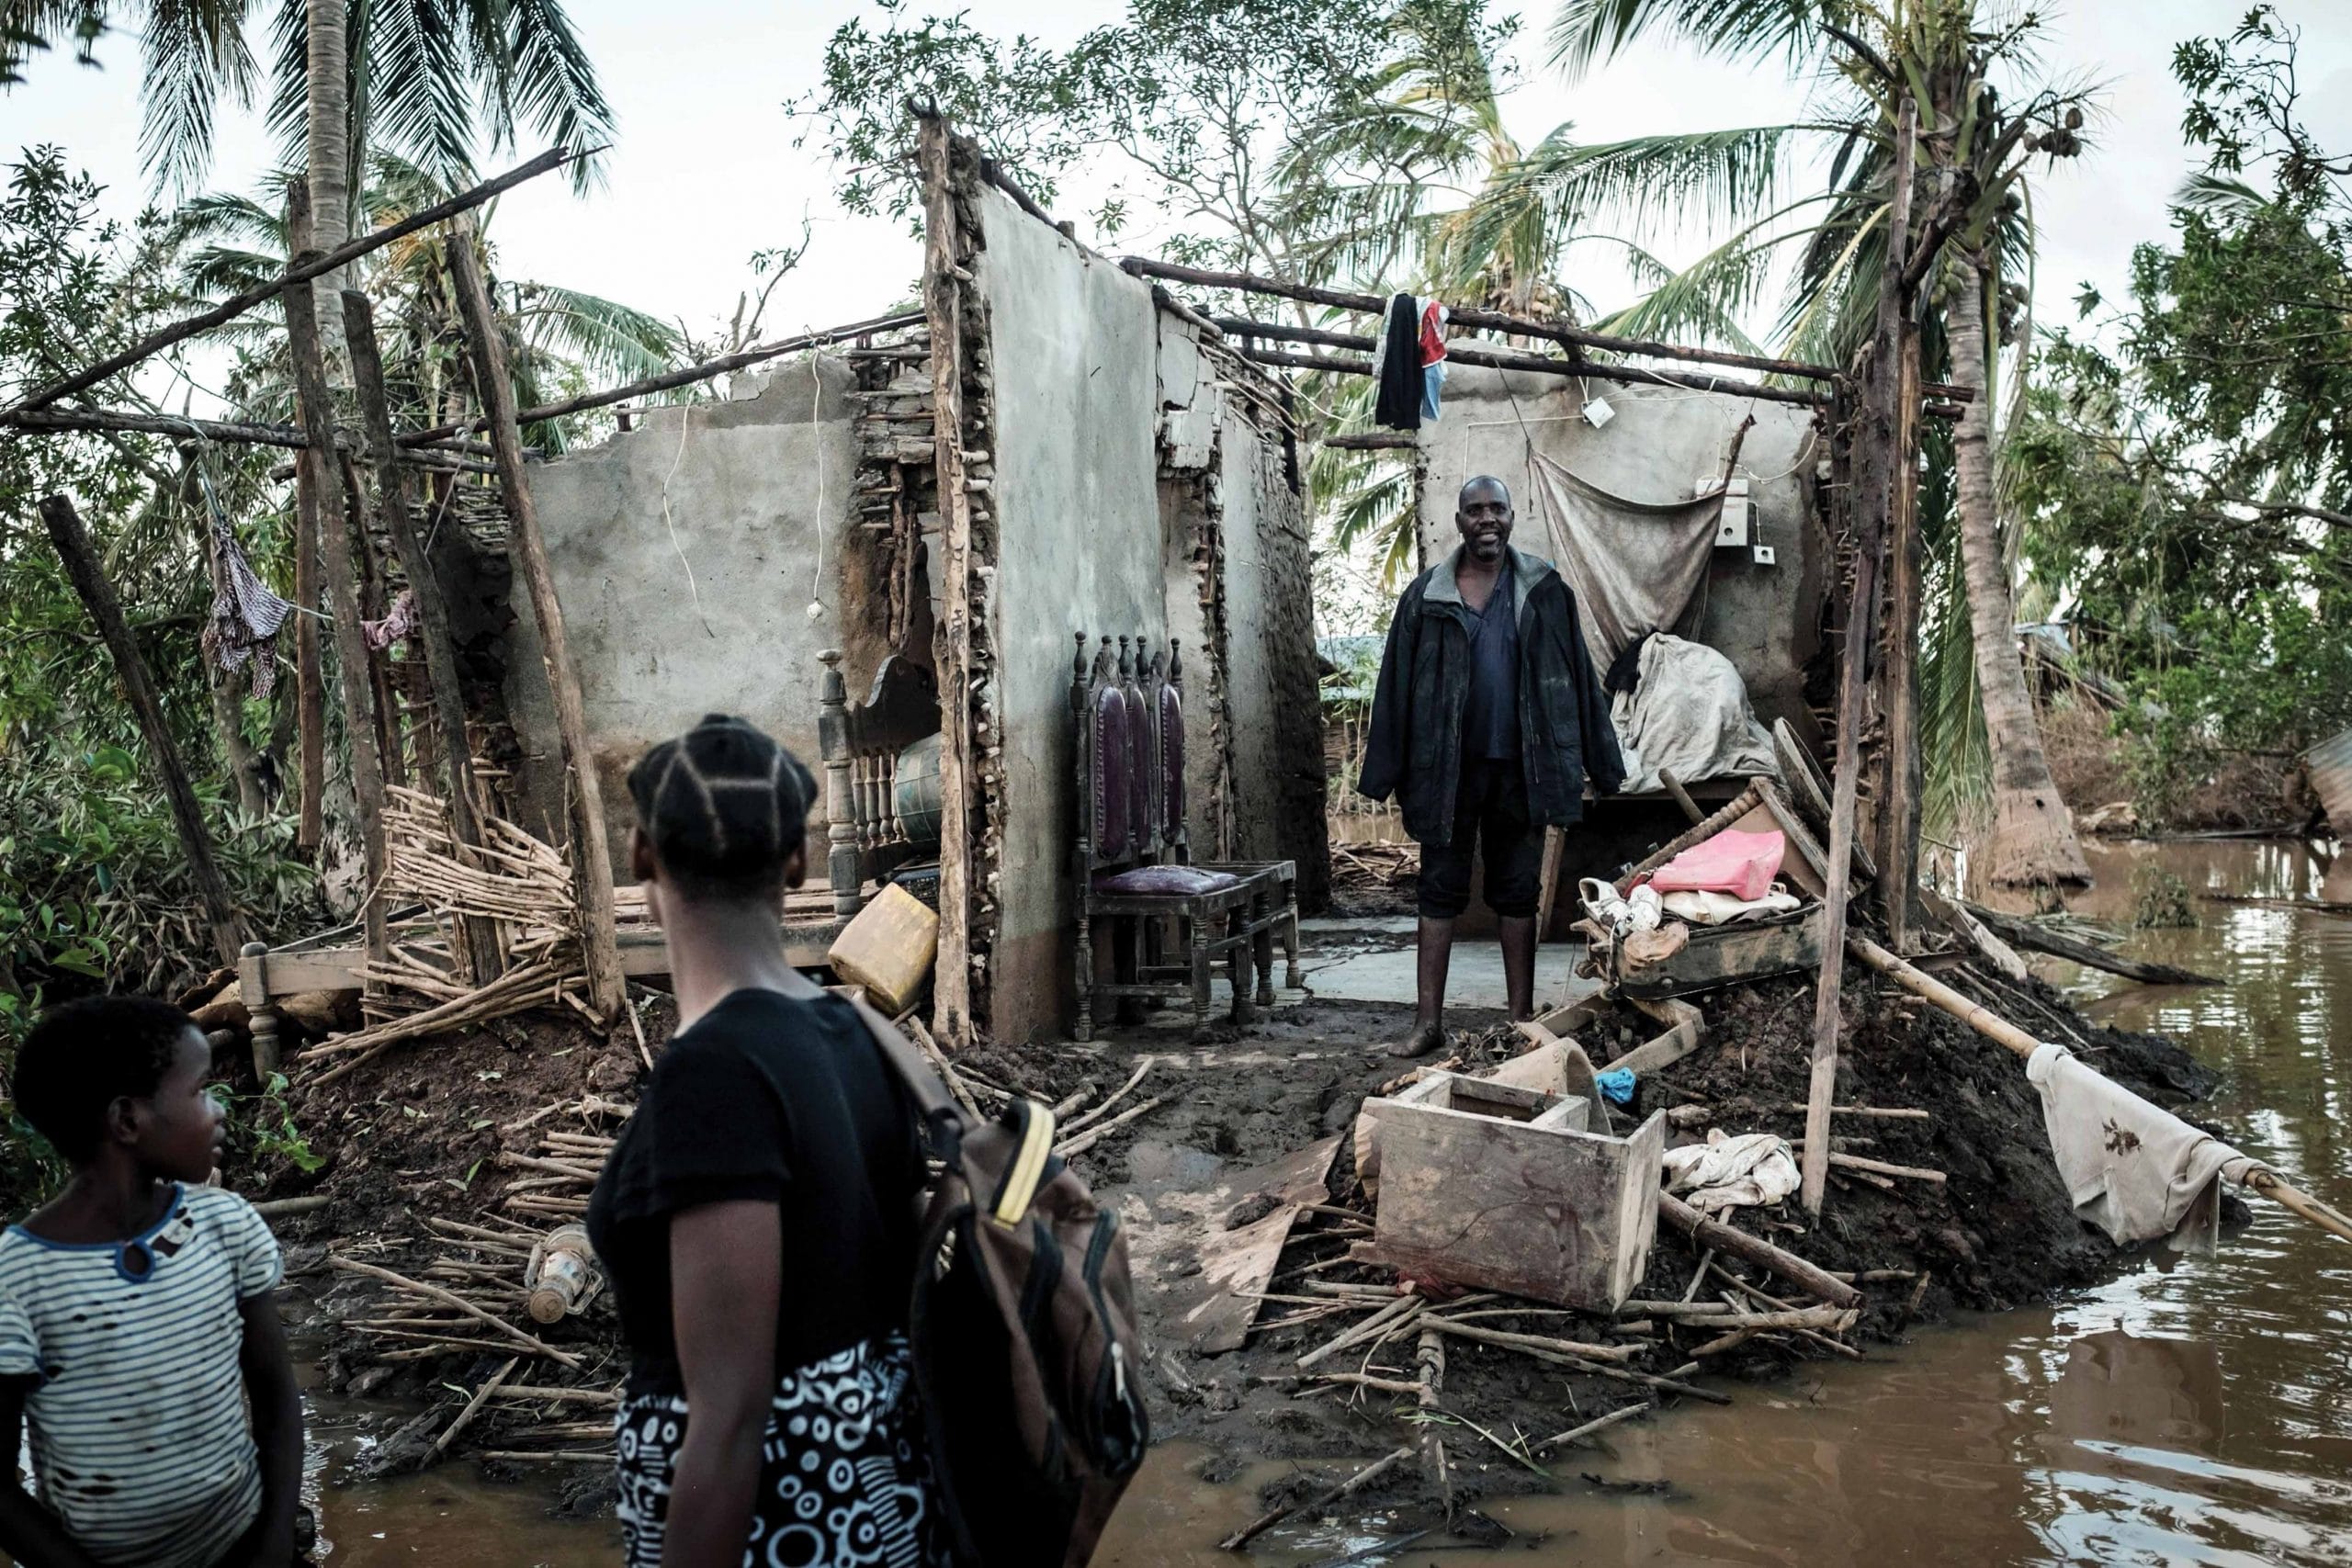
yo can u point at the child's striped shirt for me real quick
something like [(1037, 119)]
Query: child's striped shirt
[(140, 1440)]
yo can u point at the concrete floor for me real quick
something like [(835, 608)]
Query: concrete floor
[(1371, 960)]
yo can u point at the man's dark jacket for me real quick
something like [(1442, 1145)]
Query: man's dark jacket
[(1415, 750)]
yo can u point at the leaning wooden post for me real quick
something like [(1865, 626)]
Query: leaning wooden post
[(432, 610), (97, 596), (317, 409), (592, 865), (1877, 428)]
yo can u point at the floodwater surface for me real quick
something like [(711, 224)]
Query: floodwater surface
[(2187, 1412)]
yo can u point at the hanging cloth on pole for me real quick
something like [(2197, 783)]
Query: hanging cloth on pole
[(245, 613), (1396, 365), (1636, 566)]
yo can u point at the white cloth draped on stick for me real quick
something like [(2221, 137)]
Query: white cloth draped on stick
[(1636, 566), (2133, 1170)]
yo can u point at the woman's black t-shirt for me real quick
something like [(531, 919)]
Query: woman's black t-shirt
[(771, 1099)]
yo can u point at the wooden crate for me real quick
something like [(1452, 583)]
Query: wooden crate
[(1496, 1186)]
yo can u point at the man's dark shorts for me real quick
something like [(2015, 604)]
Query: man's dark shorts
[(1490, 814)]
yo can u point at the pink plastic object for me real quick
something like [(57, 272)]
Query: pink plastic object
[(1732, 861)]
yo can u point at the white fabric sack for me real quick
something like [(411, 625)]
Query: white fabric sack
[(1752, 1170), (1688, 713), (2133, 1170), (1709, 908)]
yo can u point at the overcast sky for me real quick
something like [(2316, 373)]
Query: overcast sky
[(704, 172)]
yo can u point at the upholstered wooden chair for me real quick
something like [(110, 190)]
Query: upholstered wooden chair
[(1131, 862)]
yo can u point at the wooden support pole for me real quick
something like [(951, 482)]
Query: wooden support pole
[(1902, 771), (97, 596), (432, 610), (1470, 352), (1877, 428), (304, 267), (592, 867), (957, 584), (335, 565)]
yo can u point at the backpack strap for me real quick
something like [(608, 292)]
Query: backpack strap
[(941, 1117)]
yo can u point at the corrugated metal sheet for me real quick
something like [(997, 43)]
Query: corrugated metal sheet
[(2331, 768)]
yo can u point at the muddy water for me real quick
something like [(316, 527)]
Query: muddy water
[(2188, 1412)]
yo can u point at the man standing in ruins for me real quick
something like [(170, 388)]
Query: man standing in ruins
[(1488, 722)]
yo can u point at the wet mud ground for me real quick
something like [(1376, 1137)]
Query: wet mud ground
[(1995, 1237)]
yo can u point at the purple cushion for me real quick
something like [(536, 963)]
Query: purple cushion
[(1167, 881)]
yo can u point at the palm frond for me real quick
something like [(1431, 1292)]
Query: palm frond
[(1711, 178), (1700, 304), (420, 72), (600, 335), (2218, 196), (195, 51), (1587, 33)]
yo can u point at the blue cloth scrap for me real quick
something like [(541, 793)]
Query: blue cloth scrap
[(1616, 1085)]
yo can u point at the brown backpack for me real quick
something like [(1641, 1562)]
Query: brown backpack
[(1027, 1353)]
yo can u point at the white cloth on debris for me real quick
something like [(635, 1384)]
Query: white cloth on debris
[(2133, 1170), (1751, 1170), (1688, 714), (1709, 908)]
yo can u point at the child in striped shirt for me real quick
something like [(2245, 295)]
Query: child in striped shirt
[(139, 1316)]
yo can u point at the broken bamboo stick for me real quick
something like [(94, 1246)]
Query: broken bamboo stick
[(450, 1298), (1095, 1134), (1711, 1233), (1095, 1113), (1508, 1341), (449, 1433), (1273, 1517), (2263, 1179), (1598, 1423)]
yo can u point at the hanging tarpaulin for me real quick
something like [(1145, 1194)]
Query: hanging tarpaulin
[(1637, 567), (245, 613)]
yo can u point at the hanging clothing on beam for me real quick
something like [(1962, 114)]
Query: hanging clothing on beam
[(245, 613)]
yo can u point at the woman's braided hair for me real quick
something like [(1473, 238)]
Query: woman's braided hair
[(724, 807)]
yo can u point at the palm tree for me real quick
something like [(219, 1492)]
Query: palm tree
[(1975, 149)]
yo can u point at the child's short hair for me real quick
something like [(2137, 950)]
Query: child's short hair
[(82, 1056)]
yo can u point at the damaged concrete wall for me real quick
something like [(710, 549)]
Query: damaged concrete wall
[(1073, 349), (1661, 442), (686, 553), (1137, 492)]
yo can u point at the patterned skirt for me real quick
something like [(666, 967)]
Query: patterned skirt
[(844, 1479)]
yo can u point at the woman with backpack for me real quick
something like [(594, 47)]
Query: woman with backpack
[(757, 1216)]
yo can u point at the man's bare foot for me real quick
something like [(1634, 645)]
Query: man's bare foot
[(1425, 1038)]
